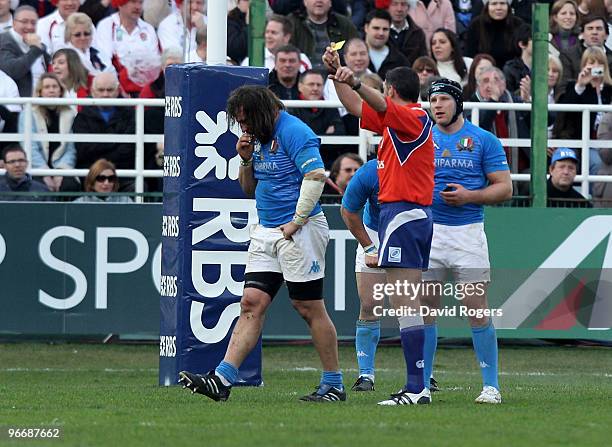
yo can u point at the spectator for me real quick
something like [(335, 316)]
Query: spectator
[(405, 34), (342, 171), (359, 10), (198, 54), (78, 36), (465, 12), (601, 190), (520, 67), (374, 81), (171, 31), (491, 87), (590, 8), (356, 57), (98, 9), (156, 89), (594, 34), (105, 120), (424, 91), (9, 113), (50, 28), (316, 26), (283, 79), (132, 44), (446, 52), (382, 56), (103, 182), (42, 7), (22, 54), (17, 180), (492, 32), (322, 121), (479, 63), (563, 24), (278, 34), (594, 86), (52, 120), (559, 187), (285, 7), (608, 5), (425, 67), (555, 71), (6, 18), (237, 31), (71, 72), (431, 15)]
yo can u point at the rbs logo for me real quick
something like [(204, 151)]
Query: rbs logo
[(172, 166), (167, 346), (174, 108), (170, 226)]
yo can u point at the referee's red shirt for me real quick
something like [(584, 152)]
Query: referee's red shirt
[(405, 153)]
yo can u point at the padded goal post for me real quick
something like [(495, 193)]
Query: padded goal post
[(206, 220)]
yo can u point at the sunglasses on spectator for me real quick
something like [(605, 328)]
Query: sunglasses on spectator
[(104, 178), (80, 34), (427, 69), (13, 162)]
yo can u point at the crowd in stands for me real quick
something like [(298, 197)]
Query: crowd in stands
[(120, 48)]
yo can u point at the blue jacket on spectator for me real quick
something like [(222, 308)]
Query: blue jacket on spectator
[(25, 184)]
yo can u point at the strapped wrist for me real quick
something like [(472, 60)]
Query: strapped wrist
[(370, 250), (299, 220)]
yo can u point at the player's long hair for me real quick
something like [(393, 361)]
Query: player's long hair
[(260, 108)]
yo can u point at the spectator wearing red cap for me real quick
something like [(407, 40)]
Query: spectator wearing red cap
[(131, 42), (171, 31), (51, 28)]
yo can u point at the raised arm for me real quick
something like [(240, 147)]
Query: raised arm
[(246, 177), (350, 90)]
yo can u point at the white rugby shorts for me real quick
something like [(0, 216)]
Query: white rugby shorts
[(461, 250), (360, 265), (301, 259)]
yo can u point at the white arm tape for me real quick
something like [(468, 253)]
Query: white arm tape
[(310, 193)]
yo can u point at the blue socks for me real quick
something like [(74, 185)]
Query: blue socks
[(429, 350), (227, 372), (412, 344), (485, 346), (331, 378), (367, 334)]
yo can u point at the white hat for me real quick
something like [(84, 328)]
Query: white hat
[(484, 2)]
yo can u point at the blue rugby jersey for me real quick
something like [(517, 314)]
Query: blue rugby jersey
[(362, 191), (279, 167), (465, 157)]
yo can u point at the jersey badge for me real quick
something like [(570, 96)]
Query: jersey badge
[(466, 144)]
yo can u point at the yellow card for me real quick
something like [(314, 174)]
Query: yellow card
[(337, 45)]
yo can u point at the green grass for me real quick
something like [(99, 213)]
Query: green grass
[(108, 395)]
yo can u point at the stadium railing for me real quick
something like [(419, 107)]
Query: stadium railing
[(364, 140)]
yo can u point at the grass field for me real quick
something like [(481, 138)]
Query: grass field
[(108, 396)]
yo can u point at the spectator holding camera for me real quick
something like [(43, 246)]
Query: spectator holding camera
[(593, 86)]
